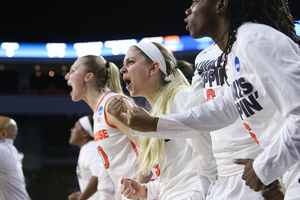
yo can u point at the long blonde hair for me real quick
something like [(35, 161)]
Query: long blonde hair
[(106, 74), (152, 149)]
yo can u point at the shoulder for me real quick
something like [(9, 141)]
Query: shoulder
[(180, 100), (89, 149), (181, 94), (257, 33)]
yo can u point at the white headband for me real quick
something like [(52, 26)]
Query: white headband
[(86, 125), (156, 56)]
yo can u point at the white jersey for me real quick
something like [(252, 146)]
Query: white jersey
[(12, 181), (228, 143), (118, 153), (264, 73), (88, 165), (177, 172)]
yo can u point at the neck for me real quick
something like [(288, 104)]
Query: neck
[(92, 99), (153, 92), (221, 36), (84, 141)]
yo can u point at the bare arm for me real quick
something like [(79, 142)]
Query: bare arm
[(141, 178)]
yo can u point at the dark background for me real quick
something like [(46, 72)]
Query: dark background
[(50, 162)]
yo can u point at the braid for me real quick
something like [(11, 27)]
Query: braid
[(275, 14)]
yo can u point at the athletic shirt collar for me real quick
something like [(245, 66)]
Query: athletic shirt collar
[(7, 140)]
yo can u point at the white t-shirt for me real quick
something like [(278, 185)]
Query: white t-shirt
[(264, 73), (12, 181), (230, 142)]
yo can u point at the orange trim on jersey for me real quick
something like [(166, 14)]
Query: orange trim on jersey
[(101, 102), (105, 107), (135, 149), (254, 137)]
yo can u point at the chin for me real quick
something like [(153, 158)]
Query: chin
[(75, 99)]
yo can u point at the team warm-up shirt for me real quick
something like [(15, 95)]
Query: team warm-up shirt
[(118, 153), (88, 165), (177, 172), (232, 141), (12, 181), (264, 74)]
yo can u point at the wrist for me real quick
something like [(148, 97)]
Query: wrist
[(145, 190), (154, 123)]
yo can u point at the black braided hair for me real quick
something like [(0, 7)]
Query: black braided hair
[(275, 14)]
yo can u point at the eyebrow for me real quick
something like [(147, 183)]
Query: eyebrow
[(128, 59)]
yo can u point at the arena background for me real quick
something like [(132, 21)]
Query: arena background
[(49, 161)]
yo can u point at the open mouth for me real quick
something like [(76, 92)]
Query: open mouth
[(127, 81), (69, 84)]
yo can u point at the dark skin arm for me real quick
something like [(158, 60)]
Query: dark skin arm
[(271, 191), (249, 175), (136, 118)]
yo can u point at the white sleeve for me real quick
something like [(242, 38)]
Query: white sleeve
[(210, 116), (276, 63), (153, 189)]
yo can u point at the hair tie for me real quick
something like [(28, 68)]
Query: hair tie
[(169, 78), (155, 55), (107, 64)]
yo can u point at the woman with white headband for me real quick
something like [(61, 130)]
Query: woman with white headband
[(149, 70), (89, 164), (97, 81)]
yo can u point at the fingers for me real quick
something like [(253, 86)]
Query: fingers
[(272, 192), (113, 106), (126, 189), (276, 183), (240, 161)]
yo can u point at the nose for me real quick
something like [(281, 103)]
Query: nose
[(67, 76), (123, 70), (188, 11)]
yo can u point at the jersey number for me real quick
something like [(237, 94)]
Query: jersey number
[(252, 134), (210, 94), (157, 170), (104, 157)]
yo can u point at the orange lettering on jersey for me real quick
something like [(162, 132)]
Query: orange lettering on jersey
[(100, 135), (252, 134), (157, 170)]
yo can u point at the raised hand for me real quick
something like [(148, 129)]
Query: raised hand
[(136, 118), (132, 189), (141, 120), (118, 108)]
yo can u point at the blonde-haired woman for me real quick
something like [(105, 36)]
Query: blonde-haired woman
[(96, 81), (150, 71)]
